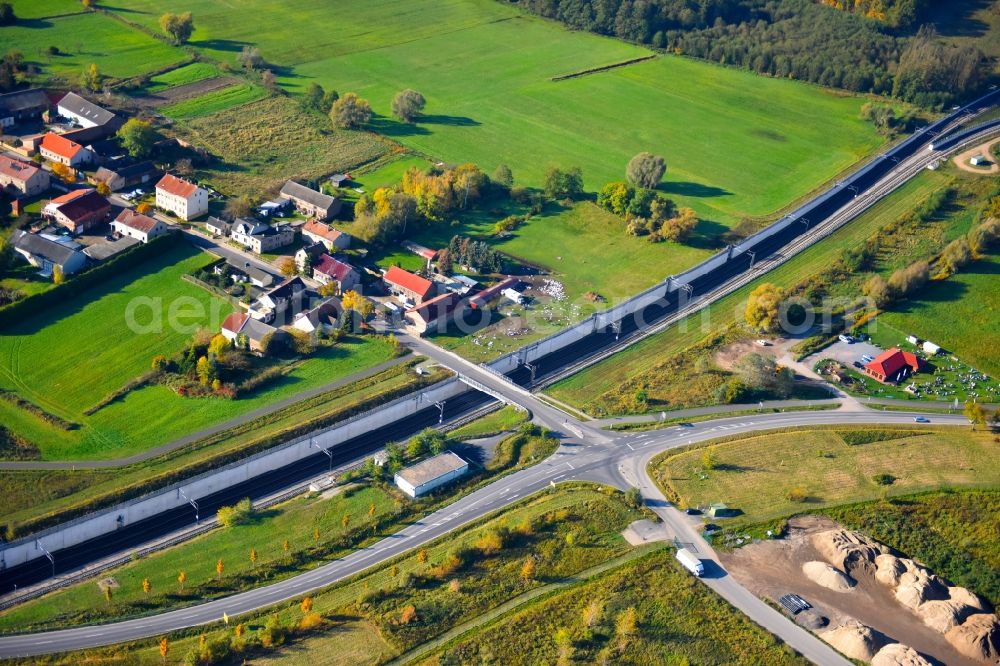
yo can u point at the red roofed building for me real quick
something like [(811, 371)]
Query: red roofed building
[(893, 366), (78, 210), (24, 177), (59, 149), (483, 298), (328, 270), (408, 286), (136, 225), (327, 235), (181, 197)]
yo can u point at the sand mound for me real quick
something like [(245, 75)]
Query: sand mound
[(977, 638), (855, 640), (823, 574), (888, 569), (964, 596), (848, 550), (897, 654), (917, 586), (943, 615)]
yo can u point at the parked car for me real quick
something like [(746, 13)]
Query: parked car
[(691, 511), (845, 338)]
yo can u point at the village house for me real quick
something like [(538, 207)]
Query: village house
[(87, 115), (261, 237), (893, 366), (126, 177), (306, 256), (48, 253), (23, 106), (56, 148), (328, 270), (25, 177), (323, 317), (310, 202), (319, 232), (218, 227), (436, 313), (78, 210), (181, 197), (407, 286), (240, 324), (285, 300), (138, 226), (245, 272)]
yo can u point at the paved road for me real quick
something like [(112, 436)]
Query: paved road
[(619, 461)]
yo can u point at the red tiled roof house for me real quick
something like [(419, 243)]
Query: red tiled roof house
[(59, 149), (435, 313), (319, 232), (136, 225), (25, 177), (328, 270), (180, 197), (407, 285), (893, 366)]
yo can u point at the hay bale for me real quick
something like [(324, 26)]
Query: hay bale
[(823, 574), (977, 638), (897, 654), (856, 640)]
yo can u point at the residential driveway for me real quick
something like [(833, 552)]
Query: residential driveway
[(844, 352)]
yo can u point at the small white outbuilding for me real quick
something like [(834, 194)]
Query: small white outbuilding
[(930, 348), (429, 474)]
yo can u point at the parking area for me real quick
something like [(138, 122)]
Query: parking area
[(845, 352)]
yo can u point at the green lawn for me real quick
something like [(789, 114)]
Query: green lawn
[(41, 359), (215, 101), (118, 50), (736, 144), (631, 364), (36, 9), (755, 474), (196, 71)]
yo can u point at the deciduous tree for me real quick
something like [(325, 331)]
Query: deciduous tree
[(563, 183), (287, 266), (646, 170), (92, 79), (146, 586), (350, 111), (763, 307), (178, 26), (407, 105), (138, 137), (528, 569), (503, 176), (181, 579), (306, 605), (220, 566), (975, 413)]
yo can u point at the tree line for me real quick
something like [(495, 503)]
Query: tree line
[(796, 39)]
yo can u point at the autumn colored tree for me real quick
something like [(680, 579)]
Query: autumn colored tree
[(108, 593), (58, 276), (409, 614), (143, 208), (352, 300), (287, 266), (528, 569), (220, 566), (680, 227), (219, 344), (345, 521), (164, 649), (91, 78), (286, 547), (626, 626), (253, 556), (371, 511), (422, 556), (975, 413), (316, 535), (350, 111), (181, 579), (146, 586), (393, 571), (240, 628), (592, 613), (178, 26), (306, 605), (103, 189), (763, 307)]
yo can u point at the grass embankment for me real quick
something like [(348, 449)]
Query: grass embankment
[(114, 330), (289, 538), (956, 534), (83, 38), (181, 76), (37, 499), (503, 420), (778, 474), (678, 621), (655, 363), (450, 581)]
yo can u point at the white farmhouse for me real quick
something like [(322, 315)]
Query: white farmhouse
[(180, 197)]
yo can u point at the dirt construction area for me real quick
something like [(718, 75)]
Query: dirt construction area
[(869, 603)]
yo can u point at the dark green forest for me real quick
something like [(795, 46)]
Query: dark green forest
[(867, 46)]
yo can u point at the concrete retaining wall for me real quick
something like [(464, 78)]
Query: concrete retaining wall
[(94, 525)]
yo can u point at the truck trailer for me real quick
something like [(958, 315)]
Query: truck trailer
[(690, 562)]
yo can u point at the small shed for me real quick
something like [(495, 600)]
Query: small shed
[(429, 474), (979, 160), (913, 340), (720, 510), (931, 348)]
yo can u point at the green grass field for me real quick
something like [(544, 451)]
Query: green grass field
[(196, 71), (42, 356), (755, 474), (119, 51), (736, 144), (215, 101), (631, 364)]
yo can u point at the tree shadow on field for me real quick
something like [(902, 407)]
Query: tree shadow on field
[(689, 189), (440, 119), (397, 128), (232, 45), (708, 235), (34, 24), (122, 10)]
